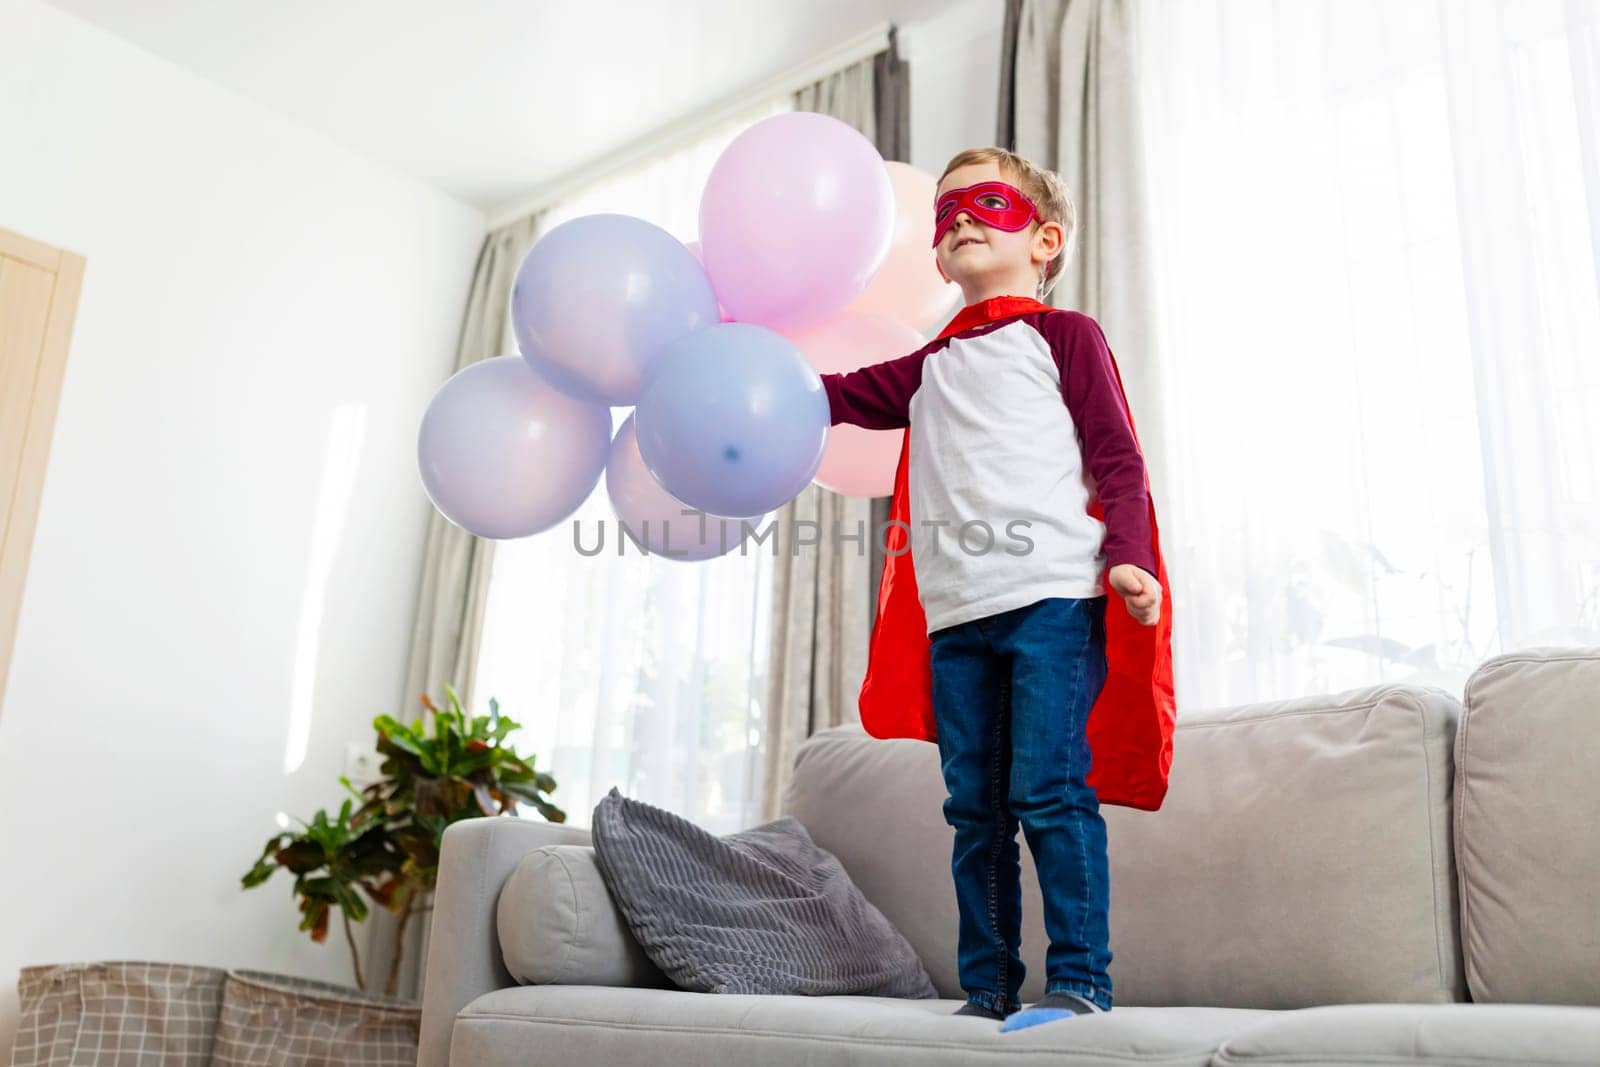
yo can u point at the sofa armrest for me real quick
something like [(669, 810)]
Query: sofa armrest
[(476, 856)]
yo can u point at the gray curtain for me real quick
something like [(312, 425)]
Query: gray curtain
[(455, 568), (824, 597), (1069, 100), (892, 92), (455, 579)]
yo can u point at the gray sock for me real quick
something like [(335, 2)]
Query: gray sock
[(1067, 1002), (979, 1010)]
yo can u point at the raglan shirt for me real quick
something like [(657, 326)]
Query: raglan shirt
[(1018, 424)]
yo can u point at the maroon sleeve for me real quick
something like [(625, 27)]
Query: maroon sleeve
[(876, 397), (1110, 451)]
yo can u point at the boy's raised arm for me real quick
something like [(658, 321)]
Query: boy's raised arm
[(876, 397), (1110, 451)]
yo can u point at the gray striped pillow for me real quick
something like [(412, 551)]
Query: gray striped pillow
[(763, 910)]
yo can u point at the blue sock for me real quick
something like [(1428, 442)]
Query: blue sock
[(1048, 1008)]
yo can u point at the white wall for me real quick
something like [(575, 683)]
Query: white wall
[(247, 280), (955, 80)]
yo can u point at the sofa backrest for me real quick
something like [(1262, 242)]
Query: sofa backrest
[(1527, 827), (1301, 857)]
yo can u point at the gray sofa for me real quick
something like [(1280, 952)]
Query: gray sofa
[(1377, 876)]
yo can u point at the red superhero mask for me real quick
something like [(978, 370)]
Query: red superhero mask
[(991, 203)]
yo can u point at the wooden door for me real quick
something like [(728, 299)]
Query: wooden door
[(38, 299)]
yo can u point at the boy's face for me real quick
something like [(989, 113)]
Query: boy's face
[(972, 253)]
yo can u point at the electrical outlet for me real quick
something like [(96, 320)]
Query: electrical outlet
[(361, 765)]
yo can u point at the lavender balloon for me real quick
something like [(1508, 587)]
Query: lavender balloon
[(732, 420), (505, 454), (597, 298), (656, 517), (795, 219)]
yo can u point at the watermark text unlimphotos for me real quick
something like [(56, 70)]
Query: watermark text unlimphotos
[(698, 532)]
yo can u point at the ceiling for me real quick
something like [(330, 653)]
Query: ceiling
[(486, 99)]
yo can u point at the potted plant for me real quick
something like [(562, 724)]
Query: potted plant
[(383, 845)]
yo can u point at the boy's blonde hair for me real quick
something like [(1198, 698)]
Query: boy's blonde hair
[(1044, 187)]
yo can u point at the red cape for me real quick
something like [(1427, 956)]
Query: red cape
[(1130, 726)]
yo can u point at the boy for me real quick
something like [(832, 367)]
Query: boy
[(1018, 420)]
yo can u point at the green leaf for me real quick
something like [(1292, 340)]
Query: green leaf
[(486, 802), (258, 874), (550, 811), (397, 736), (380, 847), (300, 857)]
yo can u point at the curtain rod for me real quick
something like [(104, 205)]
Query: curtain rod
[(692, 127)]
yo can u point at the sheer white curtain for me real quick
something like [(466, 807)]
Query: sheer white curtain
[(643, 673), (1378, 229)]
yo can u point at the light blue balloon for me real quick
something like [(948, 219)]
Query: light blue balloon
[(732, 420), (505, 454), (598, 298), (656, 518)]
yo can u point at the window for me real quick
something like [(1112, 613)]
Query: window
[(638, 672), (1376, 255)]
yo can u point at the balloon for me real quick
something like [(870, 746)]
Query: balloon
[(732, 420), (907, 288), (857, 462), (694, 247), (795, 218), (505, 454), (656, 517), (597, 299)]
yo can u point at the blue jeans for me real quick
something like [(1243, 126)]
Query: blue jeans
[(1011, 699)]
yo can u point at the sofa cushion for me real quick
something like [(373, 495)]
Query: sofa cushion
[(651, 1027), (557, 923), (1361, 1035), (763, 910), (1301, 857), (1527, 827)]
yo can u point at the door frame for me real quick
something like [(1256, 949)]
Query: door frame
[(22, 511)]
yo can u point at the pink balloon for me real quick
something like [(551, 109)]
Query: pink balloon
[(907, 288), (857, 462), (694, 246), (795, 219)]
